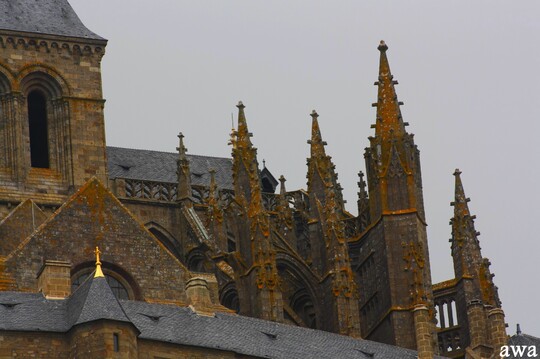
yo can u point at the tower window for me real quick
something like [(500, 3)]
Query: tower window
[(116, 342), (37, 124)]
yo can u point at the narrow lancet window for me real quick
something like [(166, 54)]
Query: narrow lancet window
[(37, 124)]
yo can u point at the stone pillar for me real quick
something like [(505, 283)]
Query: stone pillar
[(497, 328), (424, 333), (478, 328), (198, 295), (54, 279)]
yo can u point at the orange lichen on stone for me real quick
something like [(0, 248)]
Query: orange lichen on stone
[(6, 280), (445, 285)]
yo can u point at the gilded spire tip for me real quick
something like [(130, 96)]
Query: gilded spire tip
[(382, 46), (98, 273)]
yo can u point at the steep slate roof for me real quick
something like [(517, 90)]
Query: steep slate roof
[(169, 323), (161, 166), (51, 17), (94, 300)]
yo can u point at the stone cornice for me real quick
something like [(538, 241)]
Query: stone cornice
[(48, 43)]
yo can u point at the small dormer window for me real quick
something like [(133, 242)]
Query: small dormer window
[(37, 124)]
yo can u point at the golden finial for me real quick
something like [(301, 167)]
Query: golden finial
[(98, 273)]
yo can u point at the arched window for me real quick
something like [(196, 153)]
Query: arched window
[(37, 124), (303, 306), (229, 297), (118, 289)]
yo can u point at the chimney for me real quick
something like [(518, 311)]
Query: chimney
[(54, 279), (199, 296)]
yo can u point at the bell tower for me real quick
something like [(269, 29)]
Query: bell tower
[(52, 133)]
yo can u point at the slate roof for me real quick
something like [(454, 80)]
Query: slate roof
[(94, 300), (52, 17), (161, 166), (180, 325), (521, 340)]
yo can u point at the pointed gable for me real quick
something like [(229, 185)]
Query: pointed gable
[(94, 217)]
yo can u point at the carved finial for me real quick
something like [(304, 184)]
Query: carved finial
[(282, 187), (314, 114), (264, 163), (457, 172), (382, 46), (362, 186), (518, 329), (240, 105), (181, 148), (98, 273)]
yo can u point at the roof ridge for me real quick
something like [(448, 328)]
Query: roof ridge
[(171, 153)]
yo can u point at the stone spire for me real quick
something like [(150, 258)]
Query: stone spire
[(260, 274), (247, 182), (466, 251), (392, 161), (465, 245), (395, 203), (487, 331), (389, 120), (183, 171), (321, 171)]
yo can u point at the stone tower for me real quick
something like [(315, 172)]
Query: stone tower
[(391, 253), (53, 139)]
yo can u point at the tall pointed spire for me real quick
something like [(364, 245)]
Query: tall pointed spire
[(256, 248), (463, 231), (466, 251), (392, 161), (321, 171), (389, 120), (480, 299)]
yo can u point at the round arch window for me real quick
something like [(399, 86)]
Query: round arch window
[(120, 290)]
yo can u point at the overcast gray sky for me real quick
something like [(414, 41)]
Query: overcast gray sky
[(468, 74)]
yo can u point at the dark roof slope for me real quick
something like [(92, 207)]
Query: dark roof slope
[(161, 166), (31, 312), (94, 300), (523, 340), (169, 323), (251, 336), (52, 17)]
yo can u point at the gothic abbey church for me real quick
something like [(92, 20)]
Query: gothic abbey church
[(110, 252)]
